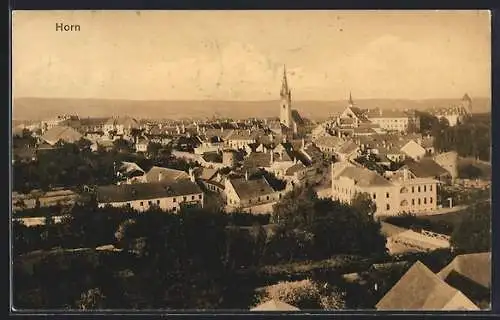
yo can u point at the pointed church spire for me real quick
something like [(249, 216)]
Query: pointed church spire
[(284, 84), (351, 102)]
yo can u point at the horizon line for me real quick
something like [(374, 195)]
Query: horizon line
[(246, 100)]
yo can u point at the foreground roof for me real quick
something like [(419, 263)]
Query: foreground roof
[(274, 305), (475, 267), (421, 289)]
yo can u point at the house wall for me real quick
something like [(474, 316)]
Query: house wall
[(391, 200), (413, 150), (266, 208), (165, 203), (417, 195), (207, 147), (239, 144), (392, 123)]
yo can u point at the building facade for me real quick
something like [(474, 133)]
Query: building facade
[(143, 196), (391, 196)]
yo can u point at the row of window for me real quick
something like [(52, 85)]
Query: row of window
[(184, 198), (419, 189), (419, 201), (259, 199)]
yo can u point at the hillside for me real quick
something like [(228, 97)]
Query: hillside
[(43, 108)]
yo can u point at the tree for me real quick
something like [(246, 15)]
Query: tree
[(123, 234), (91, 299), (154, 149), (474, 232), (296, 208), (363, 203), (84, 144), (333, 227), (470, 171)]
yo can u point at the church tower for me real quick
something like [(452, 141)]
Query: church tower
[(286, 102), (350, 102), (467, 103)]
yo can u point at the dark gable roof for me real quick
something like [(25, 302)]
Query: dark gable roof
[(475, 267), (418, 289), (257, 160), (247, 189), (146, 191), (425, 168), (297, 118)]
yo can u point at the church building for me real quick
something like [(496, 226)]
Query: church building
[(291, 124)]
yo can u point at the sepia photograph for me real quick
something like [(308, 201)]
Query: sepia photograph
[(250, 161)]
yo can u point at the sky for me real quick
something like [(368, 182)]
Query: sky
[(239, 55)]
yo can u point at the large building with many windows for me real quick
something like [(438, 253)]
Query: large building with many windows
[(403, 192)]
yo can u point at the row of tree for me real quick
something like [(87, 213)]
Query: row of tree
[(471, 138), (188, 260), (73, 164)]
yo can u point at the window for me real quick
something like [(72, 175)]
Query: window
[(258, 199), (184, 198), (388, 207), (412, 189), (149, 202), (174, 209), (425, 188), (267, 198), (412, 202), (418, 188), (387, 194), (192, 197), (200, 196), (173, 200), (158, 202), (430, 187), (280, 195), (374, 196), (250, 201), (425, 200), (430, 200), (142, 203), (419, 201)]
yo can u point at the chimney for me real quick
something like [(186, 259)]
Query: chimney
[(246, 175), (191, 175)]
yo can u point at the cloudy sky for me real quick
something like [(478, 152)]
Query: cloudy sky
[(226, 55)]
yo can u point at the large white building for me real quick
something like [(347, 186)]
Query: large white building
[(402, 193)]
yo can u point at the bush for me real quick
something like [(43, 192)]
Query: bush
[(304, 294)]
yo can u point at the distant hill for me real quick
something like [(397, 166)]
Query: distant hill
[(44, 108)]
